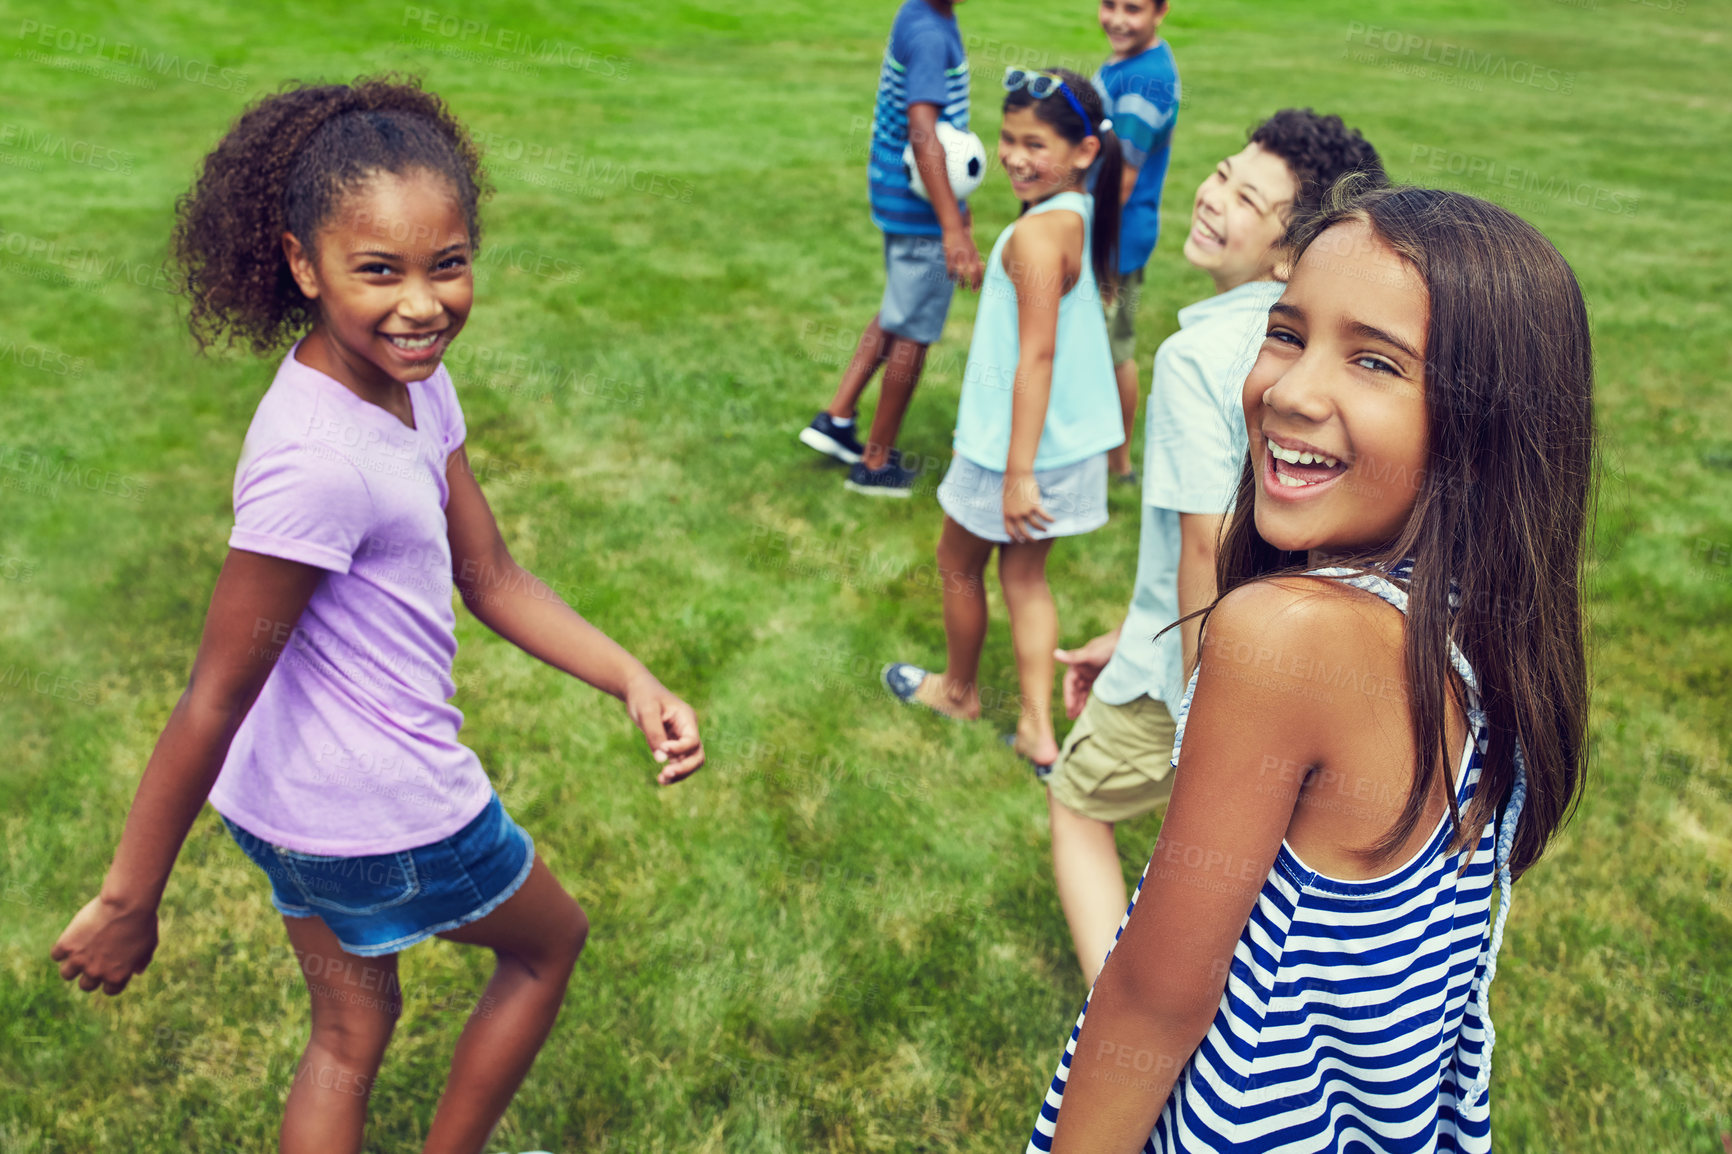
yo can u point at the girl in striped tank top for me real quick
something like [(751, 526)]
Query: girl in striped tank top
[(1306, 963)]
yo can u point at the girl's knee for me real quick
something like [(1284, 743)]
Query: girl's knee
[(355, 1041), (950, 558), (566, 934), (1021, 583)]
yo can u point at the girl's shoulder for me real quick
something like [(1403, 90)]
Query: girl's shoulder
[(1320, 616), (1274, 652), (1046, 234), (1065, 206)]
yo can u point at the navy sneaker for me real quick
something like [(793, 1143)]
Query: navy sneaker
[(831, 439), (890, 481)]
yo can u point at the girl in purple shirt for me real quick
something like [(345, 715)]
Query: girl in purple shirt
[(317, 718)]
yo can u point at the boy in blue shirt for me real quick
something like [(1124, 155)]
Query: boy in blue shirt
[(927, 243), (1140, 86), (1115, 763)]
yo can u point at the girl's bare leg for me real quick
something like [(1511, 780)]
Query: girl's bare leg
[(1034, 630), (536, 936), (356, 1002), (962, 561)]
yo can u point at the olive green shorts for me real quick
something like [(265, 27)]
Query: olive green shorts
[(1122, 317), (1116, 762)]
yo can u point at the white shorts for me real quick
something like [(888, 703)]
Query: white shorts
[(1075, 497)]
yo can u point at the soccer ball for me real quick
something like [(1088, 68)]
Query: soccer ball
[(964, 158)]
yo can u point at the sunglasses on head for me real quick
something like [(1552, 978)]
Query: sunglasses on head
[(1041, 85)]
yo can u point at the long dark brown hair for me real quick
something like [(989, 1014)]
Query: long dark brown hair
[(1502, 510), (1056, 113)]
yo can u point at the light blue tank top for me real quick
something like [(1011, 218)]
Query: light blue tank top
[(1082, 413)]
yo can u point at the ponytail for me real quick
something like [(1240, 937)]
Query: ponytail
[(1109, 170)]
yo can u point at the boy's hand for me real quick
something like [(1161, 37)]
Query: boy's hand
[(961, 258), (1023, 515), (668, 724), (105, 945), (1085, 665)]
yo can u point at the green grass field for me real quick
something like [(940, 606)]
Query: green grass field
[(842, 935)]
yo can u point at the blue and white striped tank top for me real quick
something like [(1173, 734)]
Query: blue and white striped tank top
[(1355, 1016)]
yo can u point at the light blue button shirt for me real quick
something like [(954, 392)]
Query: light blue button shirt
[(1082, 412), (1194, 447)]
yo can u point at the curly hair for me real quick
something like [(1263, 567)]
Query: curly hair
[(284, 168), (1320, 150)]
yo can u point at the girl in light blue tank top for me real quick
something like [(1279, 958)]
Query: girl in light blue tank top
[(1040, 405), (1081, 418), (1388, 721)]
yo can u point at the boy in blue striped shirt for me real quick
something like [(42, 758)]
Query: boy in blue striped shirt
[(1140, 86), (927, 243)]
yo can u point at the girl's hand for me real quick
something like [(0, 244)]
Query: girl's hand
[(669, 725), (1023, 515), (105, 945)]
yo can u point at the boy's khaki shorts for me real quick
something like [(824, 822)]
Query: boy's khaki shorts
[(1122, 318), (1116, 763)]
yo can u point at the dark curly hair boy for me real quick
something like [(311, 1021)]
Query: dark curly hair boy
[(1319, 149)]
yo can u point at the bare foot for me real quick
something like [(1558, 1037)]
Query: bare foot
[(959, 701), (1040, 748)]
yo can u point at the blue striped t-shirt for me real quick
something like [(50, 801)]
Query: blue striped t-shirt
[(924, 63), (1142, 97)]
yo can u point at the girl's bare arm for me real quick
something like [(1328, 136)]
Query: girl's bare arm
[(253, 612), (1162, 984)]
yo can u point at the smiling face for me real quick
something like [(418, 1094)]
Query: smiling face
[(1131, 25), (1335, 405), (1239, 214), (1040, 162), (391, 277)]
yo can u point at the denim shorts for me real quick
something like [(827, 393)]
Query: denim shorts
[(380, 903)]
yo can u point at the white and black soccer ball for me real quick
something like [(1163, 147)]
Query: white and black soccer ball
[(964, 157)]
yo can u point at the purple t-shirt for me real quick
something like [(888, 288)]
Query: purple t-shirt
[(352, 747)]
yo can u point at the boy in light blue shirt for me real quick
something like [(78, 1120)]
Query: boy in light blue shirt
[(1140, 84), (1121, 687)]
